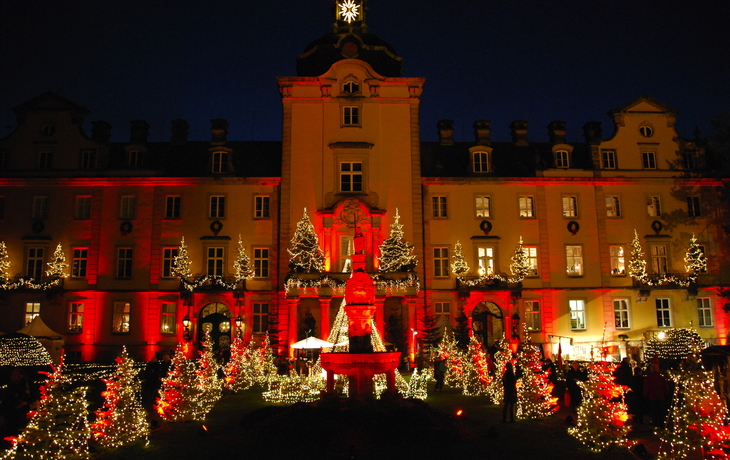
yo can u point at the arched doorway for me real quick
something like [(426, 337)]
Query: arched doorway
[(487, 323), (215, 318)]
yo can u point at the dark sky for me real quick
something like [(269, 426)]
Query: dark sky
[(500, 60)]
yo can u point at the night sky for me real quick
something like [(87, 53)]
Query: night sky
[(499, 60)]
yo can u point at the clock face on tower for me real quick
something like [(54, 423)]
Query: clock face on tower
[(349, 10)]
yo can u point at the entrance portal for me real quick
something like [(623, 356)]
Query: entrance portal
[(215, 318), (487, 323)]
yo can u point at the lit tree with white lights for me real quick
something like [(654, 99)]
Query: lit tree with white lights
[(695, 261), (58, 265), (476, 379), (122, 419), (454, 357), (208, 381), (242, 264), (502, 356), (520, 263), (238, 375), (181, 263), (676, 344), (180, 392), (534, 393), (459, 267), (395, 252), (4, 263), (637, 263), (305, 253)]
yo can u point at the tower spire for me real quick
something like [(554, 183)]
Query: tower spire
[(350, 17)]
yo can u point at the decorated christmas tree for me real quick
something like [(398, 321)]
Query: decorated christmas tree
[(520, 264), (122, 419), (459, 266), (428, 332), (501, 357), (4, 263), (602, 415), (695, 261), (676, 344), (57, 266), (262, 362), (59, 429), (454, 358), (534, 399), (242, 264), (181, 263), (697, 425), (239, 371), (180, 392), (395, 252), (476, 379), (305, 254), (208, 381), (462, 330), (637, 263)]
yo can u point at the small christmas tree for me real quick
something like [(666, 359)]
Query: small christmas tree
[(305, 253), (395, 251), (603, 414), (180, 392), (4, 263), (208, 381), (58, 265), (502, 356), (238, 370), (476, 379), (454, 358), (520, 265), (534, 399), (695, 261), (637, 263), (459, 266), (181, 263), (242, 264), (122, 419), (59, 429)]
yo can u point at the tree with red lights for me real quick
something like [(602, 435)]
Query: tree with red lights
[(122, 419), (305, 255), (534, 393), (476, 379), (180, 392), (603, 413), (395, 252), (237, 375)]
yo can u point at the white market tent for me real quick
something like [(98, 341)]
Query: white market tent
[(53, 341)]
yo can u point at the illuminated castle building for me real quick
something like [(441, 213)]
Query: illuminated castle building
[(351, 159)]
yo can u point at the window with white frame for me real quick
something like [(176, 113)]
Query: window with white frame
[(168, 317), (646, 131), (261, 262), (533, 315), (220, 162), (78, 262), (527, 206), (648, 160), (87, 159), (32, 309), (653, 206), (214, 261), (124, 262), (83, 207), (577, 314), (351, 115), (261, 207), (217, 209), (570, 206), (480, 162), (562, 159), (75, 317), (659, 261), (613, 206), (485, 259), (621, 313), (439, 207), (618, 260), (483, 206), (172, 206), (40, 207), (260, 318), (532, 266), (693, 206), (346, 251), (689, 159), (442, 310), (350, 88), (663, 313), (127, 207), (704, 312), (608, 159), (121, 317), (351, 176), (168, 261), (34, 262), (441, 262), (574, 260)]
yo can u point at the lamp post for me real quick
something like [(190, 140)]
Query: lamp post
[(516, 326), (414, 334), (186, 325), (239, 326)]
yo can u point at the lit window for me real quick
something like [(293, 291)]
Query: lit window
[(659, 259), (260, 318), (172, 206), (533, 315), (531, 252), (168, 260), (32, 309), (649, 160), (577, 315), (121, 317), (653, 206), (646, 131), (485, 257), (608, 159), (704, 311), (613, 206), (34, 262), (663, 313), (75, 317), (128, 207), (351, 116), (346, 251), (621, 313), (87, 159), (562, 159), (261, 262), (439, 207), (79, 261), (45, 159), (570, 206), (168, 318), (527, 206), (261, 210), (618, 261), (440, 262), (124, 262), (351, 177), (83, 208), (40, 207), (480, 162), (220, 162), (217, 207), (574, 259), (693, 206), (215, 261), (483, 206)]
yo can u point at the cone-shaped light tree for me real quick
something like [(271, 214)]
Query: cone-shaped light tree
[(305, 254), (395, 252)]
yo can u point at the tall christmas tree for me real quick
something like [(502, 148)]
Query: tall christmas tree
[(603, 413), (454, 358), (534, 399), (181, 263), (4, 263), (459, 266), (695, 261), (395, 252), (461, 331), (520, 264), (476, 379), (239, 371), (122, 419), (180, 392), (502, 356), (637, 263), (59, 429), (305, 253), (242, 264), (209, 383), (697, 423)]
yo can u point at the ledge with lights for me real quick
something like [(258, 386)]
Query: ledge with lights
[(694, 260), (54, 275)]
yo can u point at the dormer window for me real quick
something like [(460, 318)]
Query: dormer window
[(220, 162), (87, 159), (562, 159), (480, 162), (134, 159), (48, 130), (351, 88), (646, 130)]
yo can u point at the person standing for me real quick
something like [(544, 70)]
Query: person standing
[(574, 375), (510, 393), (439, 372), (635, 397), (656, 392)]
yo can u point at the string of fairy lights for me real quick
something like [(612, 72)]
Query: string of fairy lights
[(694, 260), (54, 275), (519, 268)]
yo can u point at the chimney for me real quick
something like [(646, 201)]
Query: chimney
[(179, 131), (139, 131), (218, 131), (519, 132), (592, 132), (556, 132), (101, 132), (446, 132), (482, 132)]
